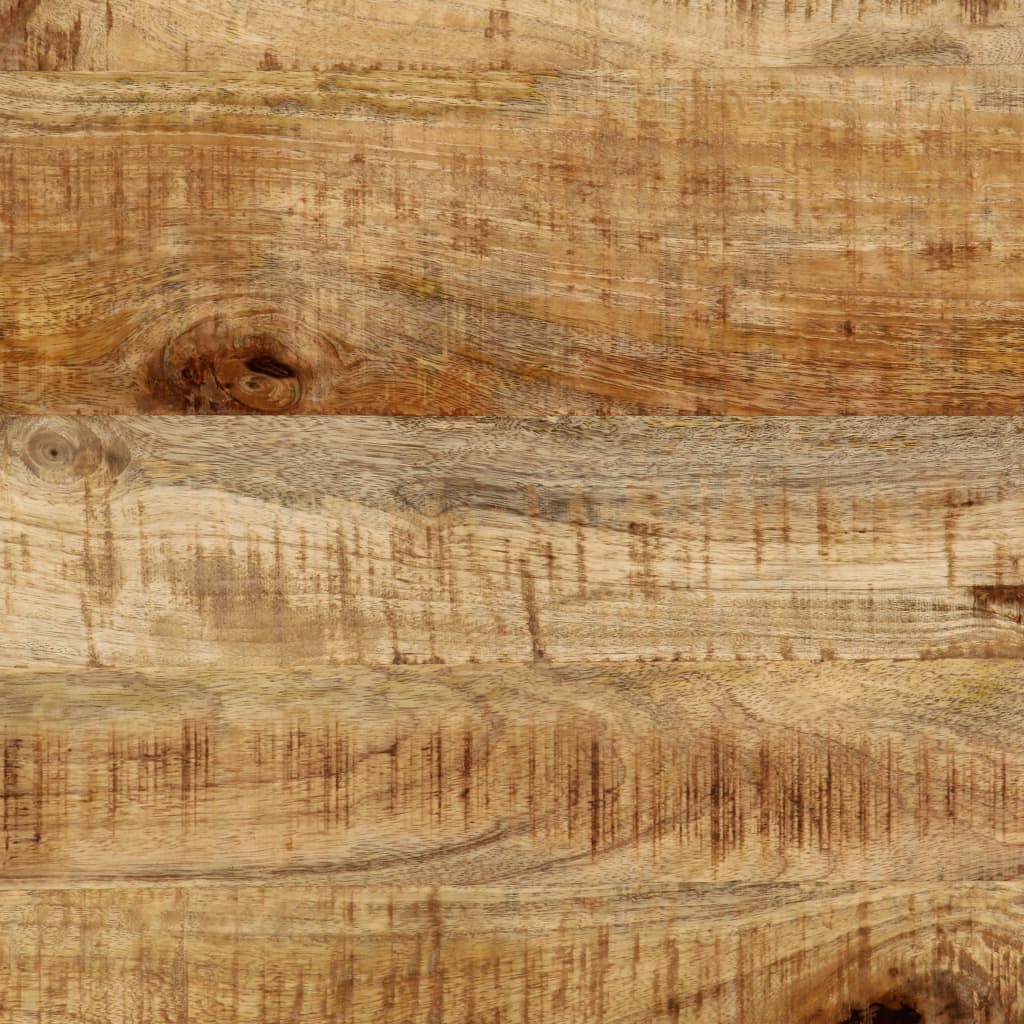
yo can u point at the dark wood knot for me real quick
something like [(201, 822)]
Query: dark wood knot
[(262, 382), (879, 1013), (218, 367)]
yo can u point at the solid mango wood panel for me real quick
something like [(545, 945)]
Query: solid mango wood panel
[(573, 776), (291, 541), (513, 243), (901, 954), (151, 35)]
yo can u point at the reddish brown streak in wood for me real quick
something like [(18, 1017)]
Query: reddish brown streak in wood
[(999, 601), (51, 49), (531, 610), (435, 968), (978, 12), (270, 62), (824, 527), (14, 25), (711, 791), (644, 553), (11, 795)]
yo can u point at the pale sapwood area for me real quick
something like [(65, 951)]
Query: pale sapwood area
[(461, 35), (286, 541), (566, 777), (726, 241)]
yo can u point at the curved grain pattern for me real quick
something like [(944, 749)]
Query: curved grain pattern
[(573, 776), (290, 541), (249, 35), (512, 243), (306, 954)]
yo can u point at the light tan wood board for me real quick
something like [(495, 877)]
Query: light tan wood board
[(577, 777), (311, 541), (308, 954), (154, 35), (721, 241)]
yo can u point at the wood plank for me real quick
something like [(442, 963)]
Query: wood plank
[(513, 243), (308, 541), (576, 776), (152, 35), (296, 954)]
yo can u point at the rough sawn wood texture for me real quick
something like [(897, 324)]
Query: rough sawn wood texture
[(514, 243), (269, 35), (559, 777), (304, 954), (315, 540), (441, 581)]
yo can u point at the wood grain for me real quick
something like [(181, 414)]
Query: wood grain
[(749, 241), (621, 717), (759, 954), (304, 541), (578, 777), (237, 35)]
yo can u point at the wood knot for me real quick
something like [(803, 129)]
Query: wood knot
[(215, 368), (879, 1013), (934, 997), (64, 451), (262, 382)]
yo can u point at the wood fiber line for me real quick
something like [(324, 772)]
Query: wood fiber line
[(129, 542), (900, 954), (719, 241), (565, 777), (269, 35)]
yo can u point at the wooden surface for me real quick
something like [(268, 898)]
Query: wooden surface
[(250, 35), (302, 954), (594, 665), (312, 541), (819, 241), (515, 775)]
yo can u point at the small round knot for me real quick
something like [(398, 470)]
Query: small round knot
[(54, 452), (65, 451), (61, 453)]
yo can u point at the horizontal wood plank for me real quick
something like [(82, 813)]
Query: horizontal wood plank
[(484, 775), (290, 541), (230, 35), (298, 954), (843, 241)]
